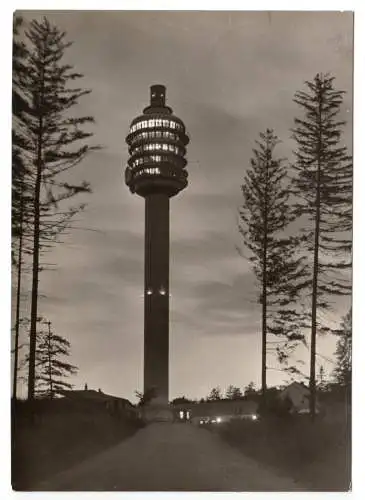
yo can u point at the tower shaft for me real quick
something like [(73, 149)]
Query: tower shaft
[(156, 319)]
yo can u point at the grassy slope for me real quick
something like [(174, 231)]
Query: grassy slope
[(317, 455)]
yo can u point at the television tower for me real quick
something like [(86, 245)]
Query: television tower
[(156, 171)]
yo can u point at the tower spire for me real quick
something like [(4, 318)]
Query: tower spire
[(158, 95)]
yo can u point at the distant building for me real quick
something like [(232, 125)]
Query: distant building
[(215, 411), (299, 396), (97, 400)]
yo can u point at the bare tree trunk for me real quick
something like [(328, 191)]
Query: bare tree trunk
[(49, 360), (313, 351), (264, 301), (19, 278), (35, 269)]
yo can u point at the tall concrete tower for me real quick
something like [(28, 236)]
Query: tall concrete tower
[(156, 171)]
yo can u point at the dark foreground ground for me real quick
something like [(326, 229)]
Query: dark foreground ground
[(171, 457), (97, 452), (54, 442)]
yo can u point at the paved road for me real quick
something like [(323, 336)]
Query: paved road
[(170, 457)]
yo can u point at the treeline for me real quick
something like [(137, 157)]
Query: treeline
[(296, 223), (48, 141), (216, 394)]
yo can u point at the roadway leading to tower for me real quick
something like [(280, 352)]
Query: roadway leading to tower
[(170, 457)]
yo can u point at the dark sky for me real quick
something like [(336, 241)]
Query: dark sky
[(228, 76)]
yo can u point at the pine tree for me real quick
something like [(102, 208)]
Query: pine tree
[(215, 394), (20, 200), (343, 369), (322, 384), (233, 392), (53, 142), (323, 185), (51, 367), (250, 390), (264, 217)]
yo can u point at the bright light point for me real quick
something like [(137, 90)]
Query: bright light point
[(181, 413), (149, 292), (219, 420), (163, 292), (254, 417)]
